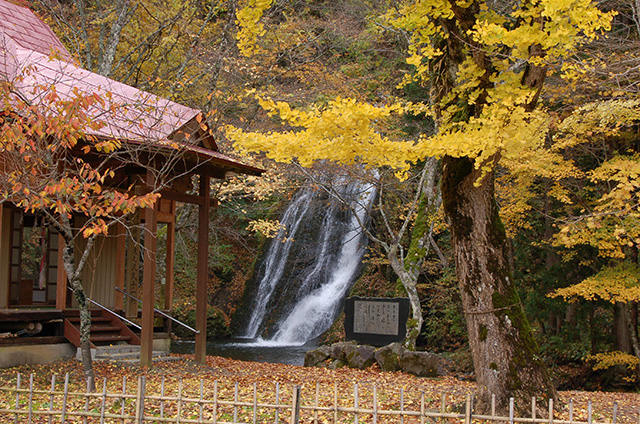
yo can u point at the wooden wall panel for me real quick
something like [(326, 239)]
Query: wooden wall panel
[(5, 234)]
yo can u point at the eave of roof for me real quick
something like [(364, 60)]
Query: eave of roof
[(129, 114)]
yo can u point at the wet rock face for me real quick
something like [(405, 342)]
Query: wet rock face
[(392, 357)]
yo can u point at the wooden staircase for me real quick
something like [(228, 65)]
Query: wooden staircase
[(106, 329)]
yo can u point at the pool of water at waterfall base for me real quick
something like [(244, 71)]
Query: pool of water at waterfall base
[(255, 350)]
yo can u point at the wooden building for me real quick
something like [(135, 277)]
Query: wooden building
[(34, 297)]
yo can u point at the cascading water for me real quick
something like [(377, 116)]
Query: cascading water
[(276, 258), (306, 303)]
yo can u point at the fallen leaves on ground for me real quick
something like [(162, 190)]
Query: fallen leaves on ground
[(233, 379)]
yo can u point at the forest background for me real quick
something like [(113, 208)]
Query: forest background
[(570, 212)]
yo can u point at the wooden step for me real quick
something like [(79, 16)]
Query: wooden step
[(103, 328), (106, 329), (110, 339), (93, 319), (74, 313)]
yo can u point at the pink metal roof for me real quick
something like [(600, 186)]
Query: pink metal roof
[(129, 114), (28, 31)]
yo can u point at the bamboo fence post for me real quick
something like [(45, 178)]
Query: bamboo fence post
[(533, 408), (335, 402), (550, 411), (493, 405), (51, 397), (571, 410), (255, 403), (17, 398), (402, 405), (201, 406), (104, 400), (179, 400), (30, 398), (277, 402), (215, 401), (511, 410), (235, 403), (443, 407), (422, 408), (64, 398), (375, 404), (355, 403), (162, 397), (614, 419), (315, 405), (295, 405), (140, 400), (467, 411), (123, 399), (590, 412)]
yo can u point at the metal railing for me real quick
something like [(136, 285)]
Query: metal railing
[(169, 317), (118, 315)]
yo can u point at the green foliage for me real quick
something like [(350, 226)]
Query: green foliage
[(217, 323), (442, 310)]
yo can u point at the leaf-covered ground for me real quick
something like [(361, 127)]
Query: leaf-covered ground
[(221, 374)]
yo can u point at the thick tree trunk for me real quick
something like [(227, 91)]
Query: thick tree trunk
[(623, 338), (505, 353), (632, 327)]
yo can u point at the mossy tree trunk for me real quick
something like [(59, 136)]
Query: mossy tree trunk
[(407, 267), (505, 354)]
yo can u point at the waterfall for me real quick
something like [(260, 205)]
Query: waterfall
[(276, 258), (329, 259)]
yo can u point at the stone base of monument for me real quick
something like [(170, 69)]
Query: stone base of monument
[(392, 357)]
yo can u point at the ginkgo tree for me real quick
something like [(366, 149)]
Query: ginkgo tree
[(482, 65), (606, 219)]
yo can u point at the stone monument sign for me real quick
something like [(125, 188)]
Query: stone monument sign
[(376, 321)]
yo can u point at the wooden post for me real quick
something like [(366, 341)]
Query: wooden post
[(132, 266), (61, 278), (51, 397), (121, 247), (203, 271), (148, 281), (277, 420), (139, 419), (295, 405), (467, 410), (64, 398), (170, 259), (511, 410)]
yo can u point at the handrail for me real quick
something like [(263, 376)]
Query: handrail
[(119, 316), (159, 311)]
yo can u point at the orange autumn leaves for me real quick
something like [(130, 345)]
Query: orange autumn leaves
[(53, 163)]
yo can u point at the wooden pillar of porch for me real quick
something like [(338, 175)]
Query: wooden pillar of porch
[(121, 248), (148, 281), (61, 277), (170, 259), (203, 271)]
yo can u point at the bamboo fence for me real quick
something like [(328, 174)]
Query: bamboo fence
[(26, 403)]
